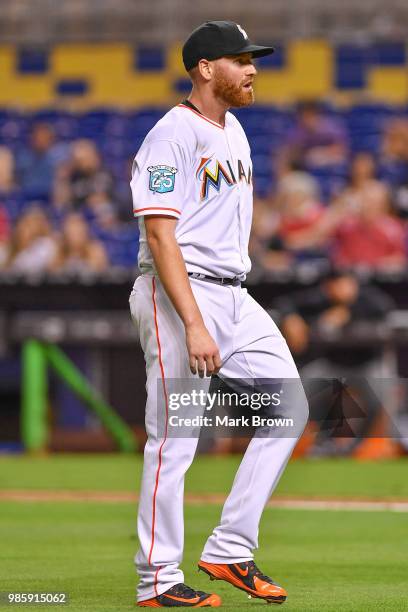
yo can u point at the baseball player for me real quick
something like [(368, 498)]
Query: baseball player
[(192, 194)]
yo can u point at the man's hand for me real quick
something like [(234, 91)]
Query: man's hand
[(203, 353)]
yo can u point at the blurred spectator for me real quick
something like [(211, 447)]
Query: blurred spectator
[(316, 140), (400, 196), (7, 171), (301, 215), (100, 208), (4, 235), (363, 173), (82, 176), (32, 246), (7, 185), (370, 236), (4, 225), (394, 164), (123, 195), (77, 251), (338, 303), (395, 141), (265, 246), (36, 163)]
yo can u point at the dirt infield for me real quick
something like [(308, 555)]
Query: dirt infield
[(329, 503)]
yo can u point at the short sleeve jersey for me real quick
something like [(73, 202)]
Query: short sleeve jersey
[(192, 168)]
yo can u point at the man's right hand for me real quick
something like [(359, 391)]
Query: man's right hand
[(203, 352)]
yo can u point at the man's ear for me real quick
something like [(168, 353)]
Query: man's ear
[(205, 69)]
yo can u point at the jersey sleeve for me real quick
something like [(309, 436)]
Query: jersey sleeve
[(159, 179)]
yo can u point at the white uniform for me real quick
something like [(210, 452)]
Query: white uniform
[(200, 172)]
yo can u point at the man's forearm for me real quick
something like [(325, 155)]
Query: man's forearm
[(203, 354), (172, 272)]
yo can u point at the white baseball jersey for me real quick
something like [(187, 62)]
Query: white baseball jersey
[(194, 169)]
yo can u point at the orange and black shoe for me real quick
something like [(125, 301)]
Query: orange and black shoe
[(182, 596), (247, 577)]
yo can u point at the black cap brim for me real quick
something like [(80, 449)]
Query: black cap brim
[(256, 50)]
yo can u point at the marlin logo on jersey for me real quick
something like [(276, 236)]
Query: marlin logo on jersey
[(214, 178)]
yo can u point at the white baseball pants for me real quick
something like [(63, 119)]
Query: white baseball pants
[(251, 346)]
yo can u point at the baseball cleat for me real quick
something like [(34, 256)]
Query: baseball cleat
[(182, 596), (247, 577)]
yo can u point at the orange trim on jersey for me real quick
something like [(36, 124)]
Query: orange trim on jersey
[(156, 325), (137, 210), (155, 580), (202, 116)]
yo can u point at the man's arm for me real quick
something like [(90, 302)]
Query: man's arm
[(203, 352)]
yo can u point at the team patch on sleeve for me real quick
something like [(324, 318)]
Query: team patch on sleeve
[(162, 178)]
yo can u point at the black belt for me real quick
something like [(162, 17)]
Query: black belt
[(213, 279)]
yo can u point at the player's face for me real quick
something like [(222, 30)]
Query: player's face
[(233, 80)]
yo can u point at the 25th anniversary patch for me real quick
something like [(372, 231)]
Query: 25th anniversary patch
[(162, 178)]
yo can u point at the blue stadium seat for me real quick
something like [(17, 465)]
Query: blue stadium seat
[(13, 130), (262, 186), (67, 127), (260, 144)]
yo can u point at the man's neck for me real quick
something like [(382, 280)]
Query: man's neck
[(210, 108)]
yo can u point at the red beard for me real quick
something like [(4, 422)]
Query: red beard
[(233, 95)]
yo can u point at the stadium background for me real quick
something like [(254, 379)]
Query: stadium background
[(81, 83)]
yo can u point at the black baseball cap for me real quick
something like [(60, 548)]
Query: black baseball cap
[(214, 39)]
